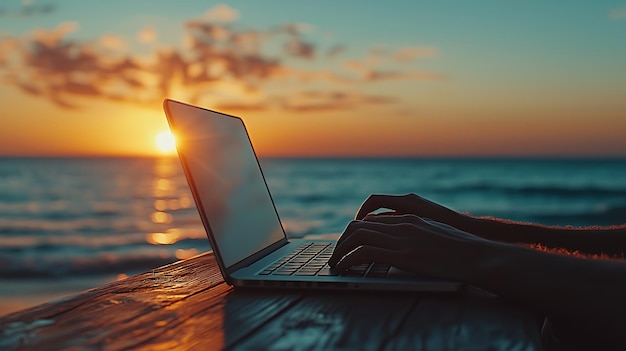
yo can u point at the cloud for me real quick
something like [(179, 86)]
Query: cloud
[(241, 107), (315, 101), (335, 51), (412, 53), (298, 48), (617, 14), (8, 46), (219, 64), (222, 13), (147, 35), (383, 64), (113, 42), (52, 36), (373, 76)]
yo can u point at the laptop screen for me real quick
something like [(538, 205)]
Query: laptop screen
[(229, 187)]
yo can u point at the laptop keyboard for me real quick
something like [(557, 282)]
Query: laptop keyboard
[(311, 259)]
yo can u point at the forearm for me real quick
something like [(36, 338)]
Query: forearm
[(611, 240), (587, 295)]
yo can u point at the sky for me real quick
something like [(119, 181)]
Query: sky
[(318, 78)]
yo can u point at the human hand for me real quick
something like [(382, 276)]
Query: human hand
[(410, 243), (409, 204)]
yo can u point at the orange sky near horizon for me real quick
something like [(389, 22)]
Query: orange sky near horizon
[(303, 90), (129, 130)]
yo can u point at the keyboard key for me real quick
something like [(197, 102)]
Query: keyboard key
[(314, 265), (283, 272), (307, 272), (306, 260)]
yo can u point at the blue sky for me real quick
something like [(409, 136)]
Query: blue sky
[(474, 31)]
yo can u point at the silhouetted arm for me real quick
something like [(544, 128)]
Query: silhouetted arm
[(585, 296), (588, 240)]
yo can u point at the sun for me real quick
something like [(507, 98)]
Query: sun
[(165, 142)]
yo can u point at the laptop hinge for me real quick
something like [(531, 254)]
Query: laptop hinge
[(256, 256)]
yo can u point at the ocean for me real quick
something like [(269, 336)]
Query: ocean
[(69, 224)]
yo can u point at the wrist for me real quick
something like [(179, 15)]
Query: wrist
[(479, 262), (464, 222), (496, 265)]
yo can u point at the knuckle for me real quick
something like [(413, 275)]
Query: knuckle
[(412, 196), (353, 225), (361, 234), (417, 219), (406, 226), (412, 218)]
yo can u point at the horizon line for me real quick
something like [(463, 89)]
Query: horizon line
[(339, 157)]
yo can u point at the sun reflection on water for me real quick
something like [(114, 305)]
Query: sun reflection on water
[(161, 217), (164, 192), (183, 254), (161, 238), (160, 205), (173, 235), (171, 196)]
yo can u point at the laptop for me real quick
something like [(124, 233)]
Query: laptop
[(242, 223)]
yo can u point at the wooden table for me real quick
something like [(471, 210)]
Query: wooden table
[(187, 306)]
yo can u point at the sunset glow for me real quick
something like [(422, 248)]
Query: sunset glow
[(165, 142), (309, 84)]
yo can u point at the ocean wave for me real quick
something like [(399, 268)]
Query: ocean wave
[(612, 215), (113, 239), (93, 217), (130, 259), (102, 263), (69, 242), (564, 191)]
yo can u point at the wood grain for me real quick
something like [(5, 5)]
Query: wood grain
[(187, 306), (87, 319), (332, 321)]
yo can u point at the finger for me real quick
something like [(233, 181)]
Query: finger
[(356, 225), (366, 254), (420, 223), (395, 219), (365, 237), (386, 213), (399, 203), (438, 224), (412, 224), (451, 232), (375, 202)]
